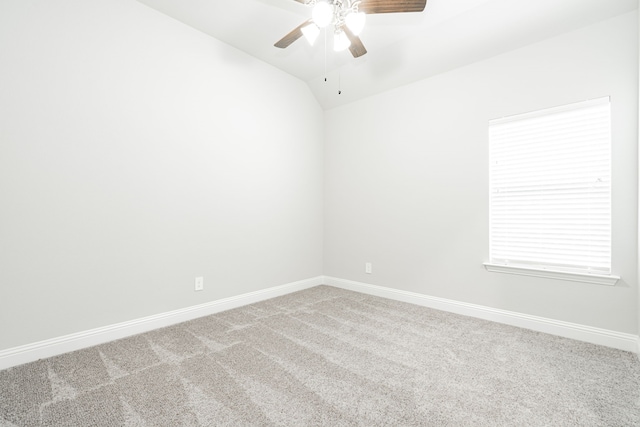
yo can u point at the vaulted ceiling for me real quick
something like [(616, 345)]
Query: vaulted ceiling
[(402, 48)]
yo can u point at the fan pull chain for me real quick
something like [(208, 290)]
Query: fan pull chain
[(325, 54), (339, 82)]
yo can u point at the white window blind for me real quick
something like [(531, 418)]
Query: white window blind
[(550, 186)]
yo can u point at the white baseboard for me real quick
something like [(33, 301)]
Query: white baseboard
[(55, 346), (605, 337)]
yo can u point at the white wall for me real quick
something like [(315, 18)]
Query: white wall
[(406, 177), (137, 153)]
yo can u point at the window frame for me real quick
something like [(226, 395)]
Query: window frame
[(540, 269)]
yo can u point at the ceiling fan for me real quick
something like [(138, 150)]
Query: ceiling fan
[(348, 19)]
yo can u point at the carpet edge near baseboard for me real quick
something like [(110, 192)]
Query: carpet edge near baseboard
[(76, 341), (51, 347), (599, 336)]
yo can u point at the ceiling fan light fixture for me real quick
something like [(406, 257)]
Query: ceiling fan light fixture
[(340, 41), (347, 19), (355, 21), (322, 14), (311, 33)]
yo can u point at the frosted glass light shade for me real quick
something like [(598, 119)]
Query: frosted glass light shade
[(355, 22), (311, 33), (322, 14), (340, 41)]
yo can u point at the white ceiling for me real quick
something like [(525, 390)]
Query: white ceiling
[(402, 47)]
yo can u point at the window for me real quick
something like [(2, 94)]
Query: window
[(550, 193)]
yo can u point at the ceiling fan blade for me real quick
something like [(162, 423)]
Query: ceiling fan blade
[(356, 48), (293, 35), (391, 6)]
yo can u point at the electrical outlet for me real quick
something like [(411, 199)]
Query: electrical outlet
[(367, 268), (199, 283)]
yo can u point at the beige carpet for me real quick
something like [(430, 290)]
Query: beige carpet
[(329, 357)]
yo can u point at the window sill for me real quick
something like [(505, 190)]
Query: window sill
[(598, 279)]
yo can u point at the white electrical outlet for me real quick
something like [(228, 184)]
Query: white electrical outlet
[(199, 283), (367, 268)]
